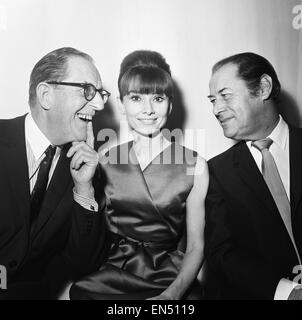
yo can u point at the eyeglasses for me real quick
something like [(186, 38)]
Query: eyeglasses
[(89, 89)]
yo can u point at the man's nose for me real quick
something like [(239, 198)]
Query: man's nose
[(97, 102), (218, 107)]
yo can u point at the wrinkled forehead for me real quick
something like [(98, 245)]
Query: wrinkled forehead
[(82, 70), (225, 77)]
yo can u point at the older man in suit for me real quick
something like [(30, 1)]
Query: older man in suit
[(51, 226), (254, 208)]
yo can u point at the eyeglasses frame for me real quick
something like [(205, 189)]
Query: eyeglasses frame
[(103, 93)]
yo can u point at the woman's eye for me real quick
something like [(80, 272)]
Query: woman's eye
[(212, 101), (159, 99), (135, 98)]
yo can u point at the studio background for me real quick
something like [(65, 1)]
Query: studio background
[(191, 34)]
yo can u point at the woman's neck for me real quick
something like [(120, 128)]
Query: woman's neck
[(147, 142), (148, 148)]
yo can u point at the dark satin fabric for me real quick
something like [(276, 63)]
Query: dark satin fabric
[(145, 211)]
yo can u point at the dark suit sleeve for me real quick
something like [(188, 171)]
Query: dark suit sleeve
[(230, 266), (86, 244), (86, 248)]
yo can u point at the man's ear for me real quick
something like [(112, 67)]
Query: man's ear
[(44, 95), (266, 86), (121, 106)]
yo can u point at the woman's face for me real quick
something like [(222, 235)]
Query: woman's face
[(146, 113)]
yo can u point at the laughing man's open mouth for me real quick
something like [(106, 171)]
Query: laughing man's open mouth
[(84, 117)]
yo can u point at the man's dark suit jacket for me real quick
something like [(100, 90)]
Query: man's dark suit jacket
[(67, 242), (248, 249)]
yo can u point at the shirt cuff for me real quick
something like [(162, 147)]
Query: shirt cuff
[(284, 289), (86, 203)]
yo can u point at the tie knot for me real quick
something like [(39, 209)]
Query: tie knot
[(262, 144), (50, 151)]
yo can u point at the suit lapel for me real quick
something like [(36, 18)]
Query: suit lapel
[(14, 158), (295, 159), (56, 190), (15, 162), (250, 174)]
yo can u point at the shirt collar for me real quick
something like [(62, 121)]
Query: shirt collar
[(279, 135), (35, 137)]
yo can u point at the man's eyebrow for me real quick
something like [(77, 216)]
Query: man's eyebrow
[(220, 91)]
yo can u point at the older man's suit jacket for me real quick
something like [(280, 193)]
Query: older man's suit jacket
[(248, 248), (68, 240)]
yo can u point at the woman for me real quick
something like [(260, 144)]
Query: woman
[(152, 200)]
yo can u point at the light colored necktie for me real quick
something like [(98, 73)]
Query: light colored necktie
[(273, 180)]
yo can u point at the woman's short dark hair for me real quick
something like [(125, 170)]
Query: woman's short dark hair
[(52, 67), (145, 72), (251, 68)]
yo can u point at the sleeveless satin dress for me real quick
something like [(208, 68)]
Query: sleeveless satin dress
[(145, 211)]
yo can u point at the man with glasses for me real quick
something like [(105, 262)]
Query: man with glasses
[(51, 226)]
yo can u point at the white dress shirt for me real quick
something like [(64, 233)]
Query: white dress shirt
[(280, 151), (36, 145)]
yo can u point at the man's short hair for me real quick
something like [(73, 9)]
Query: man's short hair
[(52, 67), (251, 67)]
